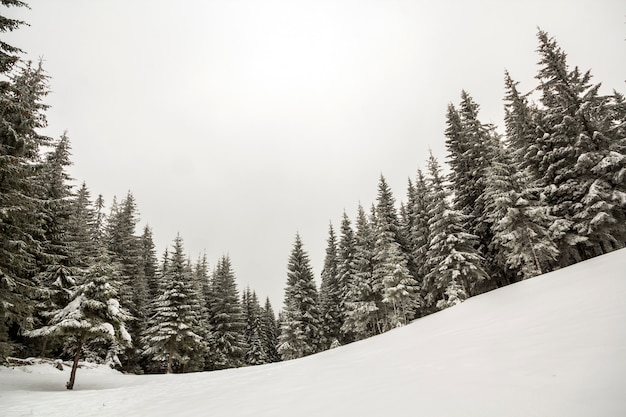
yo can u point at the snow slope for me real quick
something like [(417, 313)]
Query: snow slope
[(551, 346)]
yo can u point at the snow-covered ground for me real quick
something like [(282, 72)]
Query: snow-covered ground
[(551, 346)]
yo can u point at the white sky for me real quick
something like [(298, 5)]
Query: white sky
[(238, 123)]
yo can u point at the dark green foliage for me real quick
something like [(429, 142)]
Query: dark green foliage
[(580, 166), (170, 336), (270, 330), (22, 201), (330, 295), (453, 264), (253, 334), (362, 302), (226, 339), (301, 325)]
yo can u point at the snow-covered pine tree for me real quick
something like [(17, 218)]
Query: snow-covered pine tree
[(170, 336), (57, 266), (580, 170), (300, 328), (392, 282), (270, 330), (22, 114), (471, 145), (519, 222), (255, 348), (419, 232), (93, 312), (362, 302), (454, 265), (203, 280), (345, 257), (330, 295), (125, 248), (226, 339)]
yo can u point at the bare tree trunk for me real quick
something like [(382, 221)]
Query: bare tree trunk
[(70, 383)]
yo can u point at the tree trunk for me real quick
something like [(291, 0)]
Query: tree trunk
[(70, 383)]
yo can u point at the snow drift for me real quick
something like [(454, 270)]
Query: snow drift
[(554, 345)]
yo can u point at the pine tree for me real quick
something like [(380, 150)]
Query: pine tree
[(171, 332), (255, 348), (270, 330), (362, 303), (125, 248), (57, 263), (300, 328), (226, 340), (454, 265), (580, 171), (519, 222), (22, 113), (203, 288), (93, 312), (345, 257), (471, 145), (418, 231), (330, 295)]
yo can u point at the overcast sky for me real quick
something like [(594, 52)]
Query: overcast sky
[(239, 123)]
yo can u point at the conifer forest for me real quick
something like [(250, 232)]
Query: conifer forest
[(78, 281)]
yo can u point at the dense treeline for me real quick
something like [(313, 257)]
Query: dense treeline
[(547, 192), (78, 282)]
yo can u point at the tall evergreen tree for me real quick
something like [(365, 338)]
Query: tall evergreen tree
[(396, 290), (580, 171), (125, 249), (270, 332), (418, 231), (300, 328), (253, 334), (454, 266), (330, 295), (345, 257), (226, 340), (362, 303), (471, 145), (171, 332), (22, 201)]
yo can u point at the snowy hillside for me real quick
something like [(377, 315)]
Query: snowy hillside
[(550, 346)]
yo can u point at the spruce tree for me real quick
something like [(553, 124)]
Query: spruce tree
[(170, 336), (362, 302), (226, 339), (253, 334), (270, 330), (22, 196), (580, 171), (301, 325), (454, 265), (330, 295), (93, 312), (126, 250), (471, 145), (345, 257)]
